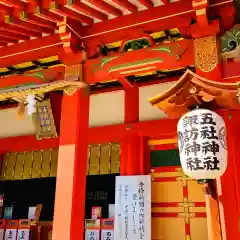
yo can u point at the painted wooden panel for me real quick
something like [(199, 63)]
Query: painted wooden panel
[(178, 206), (115, 158), (106, 109), (27, 165), (27, 170), (12, 126), (105, 159), (9, 174), (46, 163), (146, 110), (18, 174), (102, 159), (94, 160), (37, 164), (54, 160), (4, 166)]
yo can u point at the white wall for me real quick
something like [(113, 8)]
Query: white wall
[(106, 109), (11, 125), (146, 110)]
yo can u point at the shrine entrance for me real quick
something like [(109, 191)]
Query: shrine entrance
[(178, 203)]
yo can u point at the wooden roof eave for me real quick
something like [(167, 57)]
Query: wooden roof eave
[(191, 90), (69, 86)]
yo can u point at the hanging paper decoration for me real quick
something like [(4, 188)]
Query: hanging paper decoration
[(31, 106), (202, 144)]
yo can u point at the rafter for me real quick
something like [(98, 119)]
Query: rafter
[(30, 26), (126, 4), (12, 28), (13, 3), (2, 44), (50, 16), (106, 7), (34, 7), (82, 8), (14, 36), (62, 11), (39, 22), (146, 3), (4, 9), (7, 40)]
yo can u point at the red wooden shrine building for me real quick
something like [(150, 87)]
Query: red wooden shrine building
[(95, 69)]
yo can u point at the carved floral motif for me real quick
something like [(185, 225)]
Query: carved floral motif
[(206, 58)]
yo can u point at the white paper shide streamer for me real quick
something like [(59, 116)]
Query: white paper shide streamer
[(202, 144), (31, 104)]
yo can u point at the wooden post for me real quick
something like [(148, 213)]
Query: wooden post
[(72, 168), (130, 145), (229, 186)]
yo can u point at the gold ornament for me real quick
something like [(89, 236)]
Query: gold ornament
[(206, 55)]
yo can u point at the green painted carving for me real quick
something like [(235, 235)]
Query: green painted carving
[(171, 50), (136, 44), (106, 60), (135, 64), (97, 66), (39, 75), (230, 40)]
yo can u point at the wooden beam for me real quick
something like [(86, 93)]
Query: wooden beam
[(126, 4), (97, 135), (30, 50), (77, 6), (167, 129), (172, 15), (106, 7), (26, 143), (146, 3)]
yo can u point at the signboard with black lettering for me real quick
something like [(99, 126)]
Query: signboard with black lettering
[(92, 234), (23, 234), (133, 208), (11, 234), (202, 144), (107, 234)]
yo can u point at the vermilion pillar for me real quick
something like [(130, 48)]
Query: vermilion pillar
[(230, 181), (72, 167), (132, 146)]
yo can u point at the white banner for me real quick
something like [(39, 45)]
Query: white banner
[(92, 234), (107, 234), (11, 234), (23, 234), (133, 208), (2, 234)]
